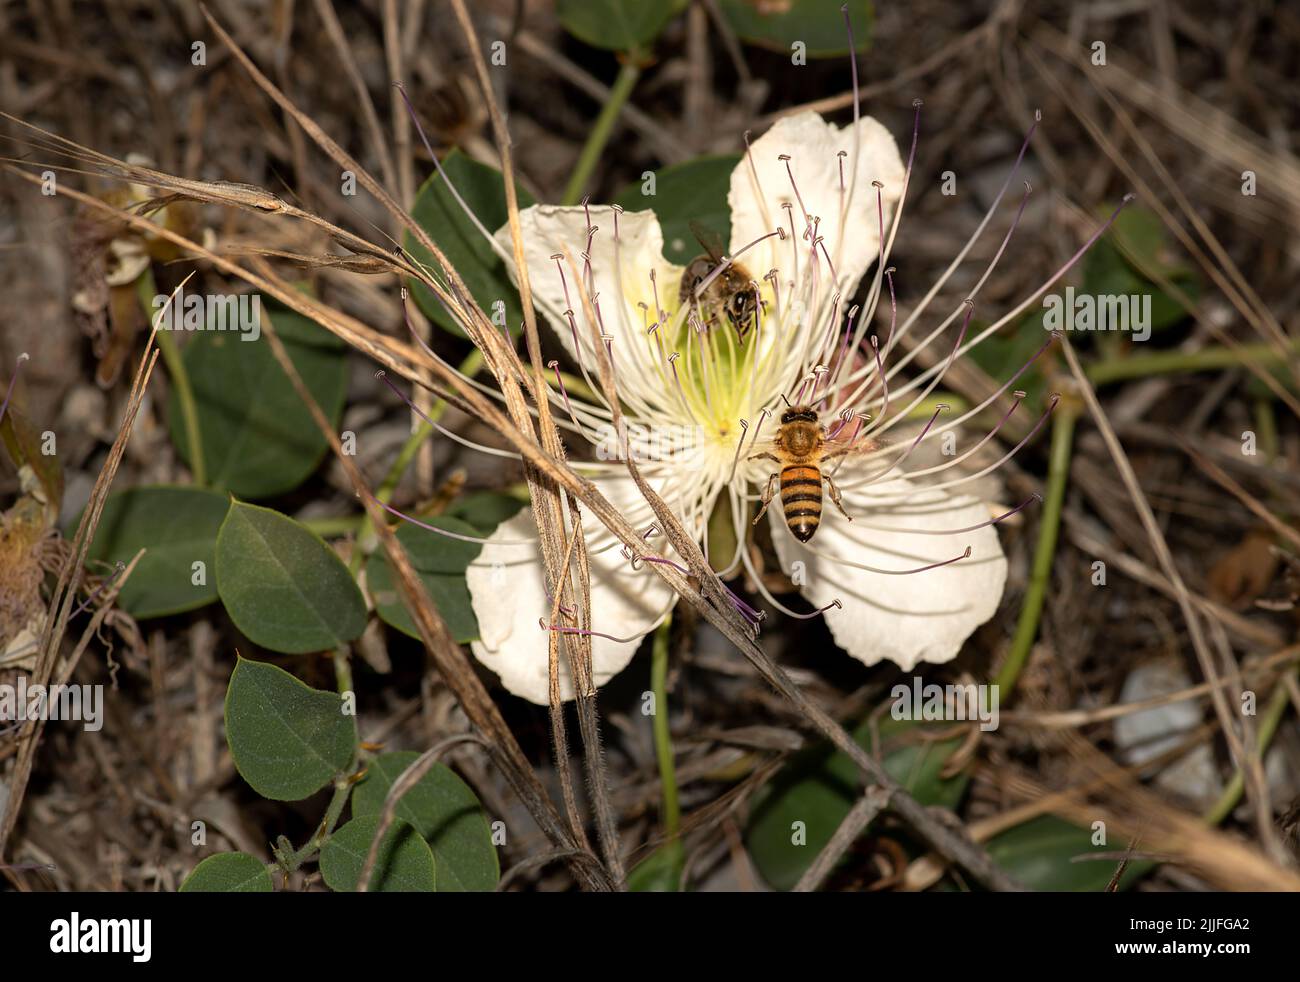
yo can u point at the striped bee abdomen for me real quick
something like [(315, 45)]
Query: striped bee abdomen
[(801, 499)]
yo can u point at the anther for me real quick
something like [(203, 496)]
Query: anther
[(818, 612)]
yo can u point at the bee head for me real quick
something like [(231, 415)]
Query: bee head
[(801, 414), (743, 303)]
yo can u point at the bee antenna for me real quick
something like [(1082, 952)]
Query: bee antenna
[(785, 400)]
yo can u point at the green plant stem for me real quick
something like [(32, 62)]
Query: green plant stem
[(342, 669), (1067, 413), (388, 487), (601, 130), (293, 860), (672, 815), (1172, 362), (1266, 427), (1268, 725), (147, 289)]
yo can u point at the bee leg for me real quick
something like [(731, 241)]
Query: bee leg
[(765, 456), (769, 492), (835, 496)]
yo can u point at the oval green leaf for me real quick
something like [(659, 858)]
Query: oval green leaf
[(1049, 853), (818, 788), (177, 527), (288, 740), (618, 25), (818, 24), (441, 216), (282, 585), (229, 872), (694, 191), (259, 439), (440, 562), (404, 863), (445, 812)]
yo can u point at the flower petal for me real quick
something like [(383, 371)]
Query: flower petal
[(618, 271), (917, 617), (508, 590), (758, 193)]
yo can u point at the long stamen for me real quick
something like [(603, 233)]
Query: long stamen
[(941, 408), (559, 380), (970, 528), (493, 451), (1018, 395), (762, 418), (729, 260), (4, 407), (952, 357), (1001, 460), (119, 568), (437, 164), (564, 281), (966, 554), (880, 374), (798, 197), (447, 532), (681, 394), (816, 613), (744, 428), (745, 610), (767, 594), (561, 629)]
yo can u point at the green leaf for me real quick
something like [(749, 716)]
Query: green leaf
[(660, 872), (229, 872), (444, 811), (485, 510), (819, 24), (1142, 231), (1043, 855), (259, 439), (618, 25), (818, 788), (440, 562), (692, 191), (1107, 272), (288, 740), (404, 863), (282, 585), (438, 213), (177, 526)]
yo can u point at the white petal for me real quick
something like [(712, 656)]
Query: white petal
[(813, 146), (619, 271), (508, 590), (918, 617)]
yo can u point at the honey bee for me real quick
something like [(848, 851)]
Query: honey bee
[(732, 292), (800, 448)]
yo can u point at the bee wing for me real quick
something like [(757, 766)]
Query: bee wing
[(709, 239), (859, 447)]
